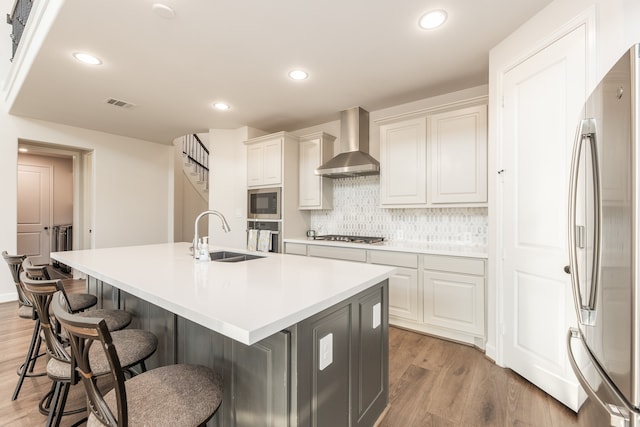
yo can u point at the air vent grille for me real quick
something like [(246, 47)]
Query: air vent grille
[(119, 103)]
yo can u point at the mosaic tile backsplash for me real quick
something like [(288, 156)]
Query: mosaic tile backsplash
[(356, 211)]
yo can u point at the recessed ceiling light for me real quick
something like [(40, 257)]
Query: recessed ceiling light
[(298, 74), (221, 106), (23, 149), (87, 58), (433, 19), (163, 11)]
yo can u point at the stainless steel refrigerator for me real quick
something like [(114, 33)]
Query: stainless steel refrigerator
[(604, 248)]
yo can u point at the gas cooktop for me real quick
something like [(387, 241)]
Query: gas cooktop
[(350, 239)]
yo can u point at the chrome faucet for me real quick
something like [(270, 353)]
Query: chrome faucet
[(225, 227)]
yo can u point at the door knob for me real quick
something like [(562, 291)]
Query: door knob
[(567, 269), (46, 228)]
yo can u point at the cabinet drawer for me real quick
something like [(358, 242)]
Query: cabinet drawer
[(347, 254), (396, 259), (462, 265), (295, 249)]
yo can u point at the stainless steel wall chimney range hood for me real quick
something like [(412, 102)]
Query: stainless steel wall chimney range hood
[(354, 158)]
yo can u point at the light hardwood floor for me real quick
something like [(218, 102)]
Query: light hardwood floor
[(432, 383)]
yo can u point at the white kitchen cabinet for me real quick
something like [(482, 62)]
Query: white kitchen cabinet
[(453, 294), (457, 153), (315, 192), (441, 295), (403, 284), (435, 157), (295, 248), (264, 161), (347, 254), (403, 162)]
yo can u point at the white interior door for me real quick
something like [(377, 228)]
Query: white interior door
[(542, 99), (34, 212)]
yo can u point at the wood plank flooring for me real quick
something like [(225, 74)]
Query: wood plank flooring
[(432, 382)]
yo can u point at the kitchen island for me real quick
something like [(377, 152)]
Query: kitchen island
[(300, 341)]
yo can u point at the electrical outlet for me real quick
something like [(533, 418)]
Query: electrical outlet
[(325, 358), (377, 315)]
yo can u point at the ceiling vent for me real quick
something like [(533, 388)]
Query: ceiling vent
[(119, 103)]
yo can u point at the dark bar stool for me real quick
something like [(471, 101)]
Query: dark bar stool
[(25, 311), (174, 395), (134, 346), (78, 301)]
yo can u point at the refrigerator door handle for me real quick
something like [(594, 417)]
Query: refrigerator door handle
[(585, 312), (619, 416)]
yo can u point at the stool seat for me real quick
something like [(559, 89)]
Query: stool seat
[(174, 395), (79, 302), (115, 319), (25, 312), (133, 345)]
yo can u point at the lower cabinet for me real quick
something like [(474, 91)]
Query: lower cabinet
[(343, 369), (440, 295), (454, 296)]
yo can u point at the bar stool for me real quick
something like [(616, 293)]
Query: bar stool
[(25, 311), (174, 395), (134, 346), (78, 301)]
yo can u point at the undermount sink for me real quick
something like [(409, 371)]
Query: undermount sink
[(225, 256)]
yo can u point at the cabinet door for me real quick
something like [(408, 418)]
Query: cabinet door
[(310, 188), (255, 164), (454, 301), (403, 162), (403, 294), (272, 162), (458, 156)]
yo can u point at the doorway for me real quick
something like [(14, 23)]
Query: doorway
[(54, 199)]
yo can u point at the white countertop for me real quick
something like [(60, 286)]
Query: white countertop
[(417, 248), (246, 301)]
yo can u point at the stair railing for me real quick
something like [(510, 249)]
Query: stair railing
[(18, 20), (198, 156)]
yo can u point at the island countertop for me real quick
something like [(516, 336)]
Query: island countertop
[(246, 301)]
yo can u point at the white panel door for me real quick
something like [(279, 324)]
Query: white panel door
[(34, 212), (542, 99)]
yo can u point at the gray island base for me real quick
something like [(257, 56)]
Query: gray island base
[(330, 369), (300, 341)]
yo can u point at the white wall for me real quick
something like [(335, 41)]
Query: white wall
[(133, 181), (616, 23), (228, 184)]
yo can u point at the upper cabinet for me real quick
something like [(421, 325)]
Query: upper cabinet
[(457, 154), (264, 161), (435, 158), (403, 162), (314, 192)]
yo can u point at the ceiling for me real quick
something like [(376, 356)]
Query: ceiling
[(368, 53)]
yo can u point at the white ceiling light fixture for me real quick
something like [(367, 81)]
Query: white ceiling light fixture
[(163, 11), (222, 106), (432, 19), (87, 58), (298, 74), (23, 150)]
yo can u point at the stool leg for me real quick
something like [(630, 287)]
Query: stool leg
[(63, 402), (53, 406), (27, 361), (35, 354)]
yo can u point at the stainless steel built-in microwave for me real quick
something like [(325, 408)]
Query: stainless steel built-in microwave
[(264, 203)]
